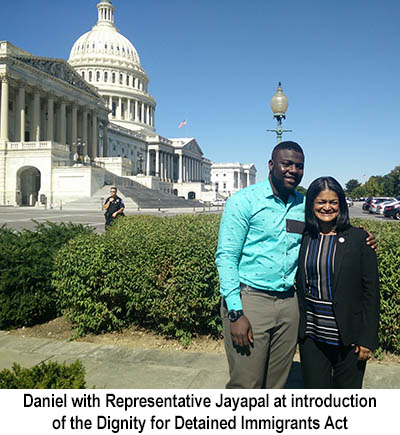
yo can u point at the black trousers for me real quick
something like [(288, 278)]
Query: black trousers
[(326, 366)]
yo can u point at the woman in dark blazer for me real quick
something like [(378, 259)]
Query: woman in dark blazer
[(338, 292)]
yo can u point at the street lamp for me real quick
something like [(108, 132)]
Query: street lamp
[(279, 104)]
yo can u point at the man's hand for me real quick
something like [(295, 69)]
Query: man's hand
[(364, 353), (370, 240), (114, 215), (241, 332)]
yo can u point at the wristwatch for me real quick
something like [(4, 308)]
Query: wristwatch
[(234, 315)]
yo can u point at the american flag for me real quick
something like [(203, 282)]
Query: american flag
[(182, 123)]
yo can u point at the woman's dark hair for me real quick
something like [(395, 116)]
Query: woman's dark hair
[(315, 188)]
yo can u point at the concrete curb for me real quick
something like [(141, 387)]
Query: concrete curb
[(118, 367)]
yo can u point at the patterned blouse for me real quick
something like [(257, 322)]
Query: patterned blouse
[(319, 266)]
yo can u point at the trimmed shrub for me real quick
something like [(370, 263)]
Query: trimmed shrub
[(160, 273), (156, 272), (388, 254), (90, 285), (172, 277), (44, 375), (26, 265)]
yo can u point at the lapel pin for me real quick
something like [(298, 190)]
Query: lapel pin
[(341, 239)]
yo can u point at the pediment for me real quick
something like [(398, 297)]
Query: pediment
[(59, 69), (194, 147)]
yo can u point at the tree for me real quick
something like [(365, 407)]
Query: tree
[(351, 185), (375, 186), (359, 192), (393, 181)]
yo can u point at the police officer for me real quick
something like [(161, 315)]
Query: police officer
[(114, 207)]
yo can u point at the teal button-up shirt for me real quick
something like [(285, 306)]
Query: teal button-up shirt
[(259, 241)]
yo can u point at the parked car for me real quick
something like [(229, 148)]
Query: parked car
[(367, 204), (371, 203), (392, 211), (381, 207), (350, 202)]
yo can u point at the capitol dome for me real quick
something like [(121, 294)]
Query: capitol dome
[(109, 61), (104, 40)]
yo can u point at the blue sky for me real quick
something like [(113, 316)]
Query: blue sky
[(217, 63)]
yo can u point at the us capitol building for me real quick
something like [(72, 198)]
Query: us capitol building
[(68, 129)]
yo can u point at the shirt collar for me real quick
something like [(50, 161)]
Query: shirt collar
[(268, 189), (270, 193)]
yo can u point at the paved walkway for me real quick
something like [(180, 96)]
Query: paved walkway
[(117, 367)]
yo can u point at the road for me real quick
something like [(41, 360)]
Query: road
[(22, 217)]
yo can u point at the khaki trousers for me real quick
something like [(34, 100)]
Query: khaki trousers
[(275, 321)]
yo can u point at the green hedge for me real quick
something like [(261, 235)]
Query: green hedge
[(388, 254), (156, 272), (26, 265), (44, 375), (160, 273)]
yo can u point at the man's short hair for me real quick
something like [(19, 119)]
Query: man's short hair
[(286, 145), (113, 187)]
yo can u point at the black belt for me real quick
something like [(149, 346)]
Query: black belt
[(278, 294)]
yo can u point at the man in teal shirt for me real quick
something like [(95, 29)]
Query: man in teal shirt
[(258, 247)]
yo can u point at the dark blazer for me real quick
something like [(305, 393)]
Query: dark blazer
[(355, 289)]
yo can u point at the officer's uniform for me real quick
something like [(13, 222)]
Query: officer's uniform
[(115, 205)]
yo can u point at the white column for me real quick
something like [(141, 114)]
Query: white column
[(85, 128), (130, 117), (119, 109), (136, 111), (142, 112), (157, 169), (74, 127), (63, 123), (93, 153), (248, 178), (50, 119), (36, 116), (161, 165), (21, 113), (180, 169), (165, 166), (171, 167), (4, 109), (148, 163), (148, 113)]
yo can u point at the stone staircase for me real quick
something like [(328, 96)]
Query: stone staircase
[(135, 196)]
